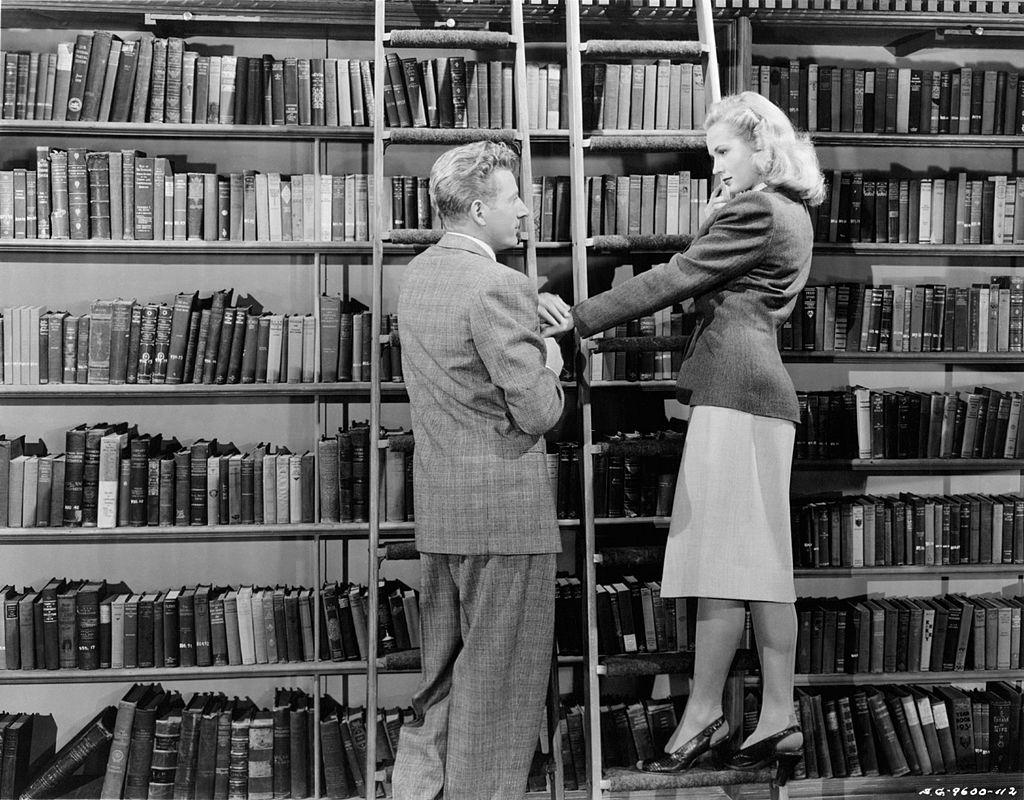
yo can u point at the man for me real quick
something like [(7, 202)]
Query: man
[(483, 389)]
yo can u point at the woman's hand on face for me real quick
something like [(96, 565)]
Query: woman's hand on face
[(554, 314), (718, 198)]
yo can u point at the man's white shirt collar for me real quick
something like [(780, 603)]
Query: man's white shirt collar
[(487, 248)]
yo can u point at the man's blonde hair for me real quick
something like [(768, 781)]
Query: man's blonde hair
[(463, 174)]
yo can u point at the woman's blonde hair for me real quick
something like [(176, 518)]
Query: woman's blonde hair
[(784, 157)]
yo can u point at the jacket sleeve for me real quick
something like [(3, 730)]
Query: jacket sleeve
[(735, 243), (503, 321)]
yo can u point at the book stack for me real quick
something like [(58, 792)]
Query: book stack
[(908, 634), (910, 730), (633, 730), (547, 91), (111, 476), (88, 625), (156, 744), (410, 203), (935, 209), (862, 423), (968, 100), (894, 530), (632, 617), (573, 745), (344, 475), (28, 743), (635, 475), (644, 365), (646, 205), (125, 195), (101, 77), (648, 96), (398, 621), (551, 209), (852, 317), (448, 92)]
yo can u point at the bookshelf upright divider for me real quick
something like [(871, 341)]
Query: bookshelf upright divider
[(522, 115), (379, 203), (578, 236)]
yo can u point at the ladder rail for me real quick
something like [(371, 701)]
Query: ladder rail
[(712, 86)]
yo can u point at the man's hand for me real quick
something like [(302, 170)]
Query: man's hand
[(554, 314), (554, 357)]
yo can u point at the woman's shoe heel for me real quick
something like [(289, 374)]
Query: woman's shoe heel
[(785, 765)]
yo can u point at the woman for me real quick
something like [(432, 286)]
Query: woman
[(729, 538)]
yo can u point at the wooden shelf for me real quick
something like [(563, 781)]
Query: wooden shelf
[(902, 678), (183, 533), (238, 671), (941, 357), (619, 784), (64, 247), (964, 250), (264, 391), (910, 571), (924, 465), (610, 522), (177, 131), (965, 141)]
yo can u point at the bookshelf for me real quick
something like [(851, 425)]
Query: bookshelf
[(297, 272), (778, 35)]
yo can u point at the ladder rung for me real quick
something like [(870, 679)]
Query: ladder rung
[(399, 551), (644, 141), (639, 48), (449, 136), (640, 344), (666, 243), (414, 236), (403, 442), (470, 40)]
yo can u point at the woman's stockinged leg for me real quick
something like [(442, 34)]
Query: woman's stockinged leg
[(719, 628), (775, 628)]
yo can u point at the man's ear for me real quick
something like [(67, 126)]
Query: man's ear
[(476, 212)]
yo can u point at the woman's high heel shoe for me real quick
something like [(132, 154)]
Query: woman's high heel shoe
[(684, 757), (784, 748)]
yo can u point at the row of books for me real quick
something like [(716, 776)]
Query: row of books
[(102, 77), (632, 617), (87, 625), (910, 730), (195, 340), (632, 484), (155, 744), (862, 423), (950, 209), (110, 475), (852, 317), (656, 95), (77, 624), (646, 365), (968, 100), (448, 92), (84, 194), (895, 530), (646, 205), (908, 634)]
